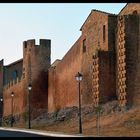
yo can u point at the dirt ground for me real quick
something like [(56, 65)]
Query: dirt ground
[(122, 124)]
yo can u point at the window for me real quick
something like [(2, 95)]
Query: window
[(15, 74), (84, 45), (104, 33), (48, 58), (135, 12)]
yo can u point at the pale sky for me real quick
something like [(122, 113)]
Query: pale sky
[(60, 22)]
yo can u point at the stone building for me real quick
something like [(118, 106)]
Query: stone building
[(107, 54)]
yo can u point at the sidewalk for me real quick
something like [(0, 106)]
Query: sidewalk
[(44, 133)]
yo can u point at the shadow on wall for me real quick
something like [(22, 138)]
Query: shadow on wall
[(39, 94)]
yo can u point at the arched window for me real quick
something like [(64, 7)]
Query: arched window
[(135, 12), (15, 74)]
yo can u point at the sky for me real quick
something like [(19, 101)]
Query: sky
[(60, 22)]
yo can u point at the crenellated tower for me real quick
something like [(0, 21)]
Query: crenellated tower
[(36, 61), (36, 58)]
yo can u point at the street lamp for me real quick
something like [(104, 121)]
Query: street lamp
[(29, 120), (1, 100), (12, 105), (79, 77)]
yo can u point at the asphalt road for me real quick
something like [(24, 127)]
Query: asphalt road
[(6, 133)]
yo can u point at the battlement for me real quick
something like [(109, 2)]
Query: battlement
[(12, 83), (42, 43)]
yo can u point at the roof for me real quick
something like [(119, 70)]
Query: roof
[(94, 10), (18, 61)]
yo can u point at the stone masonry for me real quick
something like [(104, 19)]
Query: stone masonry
[(107, 54), (32, 69)]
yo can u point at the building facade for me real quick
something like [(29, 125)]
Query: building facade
[(107, 54)]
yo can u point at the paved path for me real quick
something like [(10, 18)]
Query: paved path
[(14, 132), (6, 133)]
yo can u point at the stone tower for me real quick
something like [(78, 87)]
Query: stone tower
[(36, 61)]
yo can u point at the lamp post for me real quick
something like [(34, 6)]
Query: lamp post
[(12, 105), (1, 100), (29, 119), (79, 77)]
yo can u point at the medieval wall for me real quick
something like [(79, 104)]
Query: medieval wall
[(12, 71), (136, 98), (127, 58), (16, 87), (128, 55), (51, 89), (52, 102), (132, 23), (115, 42), (34, 70), (63, 88), (66, 84), (100, 36), (13, 83)]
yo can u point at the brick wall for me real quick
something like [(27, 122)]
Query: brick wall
[(19, 105), (56, 88), (132, 59), (95, 43), (63, 88), (127, 59), (106, 76)]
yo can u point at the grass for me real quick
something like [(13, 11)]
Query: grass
[(114, 124)]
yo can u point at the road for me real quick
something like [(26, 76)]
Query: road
[(7, 133)]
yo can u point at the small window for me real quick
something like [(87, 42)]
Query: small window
[(135, 12), (48, 58), (104, 33), (15, 74), (84, 45)]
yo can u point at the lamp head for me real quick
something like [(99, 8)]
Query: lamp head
[(1, 99), (29, 87), (79, 76), (12, 94)]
